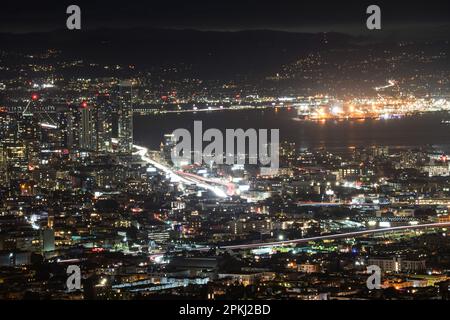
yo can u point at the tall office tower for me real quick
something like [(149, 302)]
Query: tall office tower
[(5, 139), (54, 137), (88, 128), (105, 117), (125, 113), (38, 129), (105, 128), (73, 128), (63, 127), (19, 143), (30, 134), (3, 165)]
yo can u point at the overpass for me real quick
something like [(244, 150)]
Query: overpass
[(229, 186), (218, 190), (180, 176), (353, 234)]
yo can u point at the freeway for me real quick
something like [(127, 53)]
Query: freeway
[(179, 176), (205, 184), (218, 182), (327, 237)]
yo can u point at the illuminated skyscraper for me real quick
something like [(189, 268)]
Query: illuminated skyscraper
[(3, 165), (73, 127), (125, 113), (105, 117), (88, 128)]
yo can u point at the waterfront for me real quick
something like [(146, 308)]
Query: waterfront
[(411, 131), (326, 175)]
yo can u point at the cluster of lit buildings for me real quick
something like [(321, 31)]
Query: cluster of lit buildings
[(323, 108), (75, 191)]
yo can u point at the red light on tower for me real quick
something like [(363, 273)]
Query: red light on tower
[(34, 96), (84, 104)]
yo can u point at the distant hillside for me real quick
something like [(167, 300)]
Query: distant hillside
[(228, 53)]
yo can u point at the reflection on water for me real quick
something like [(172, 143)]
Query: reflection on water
[(420, 130)]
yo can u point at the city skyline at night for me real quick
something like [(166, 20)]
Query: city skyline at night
[(226, 151)]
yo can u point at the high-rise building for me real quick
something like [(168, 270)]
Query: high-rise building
[(31, 134), (88, 128), (125, 113), (3, 165), (105, 120), (20, 144), (54, 137)]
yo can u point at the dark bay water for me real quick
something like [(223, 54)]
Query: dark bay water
[(411, 131)]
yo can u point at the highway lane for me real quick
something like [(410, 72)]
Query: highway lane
[(328, 237), (142, 152)]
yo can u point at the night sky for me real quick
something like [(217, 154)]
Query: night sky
[(398, 17)]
